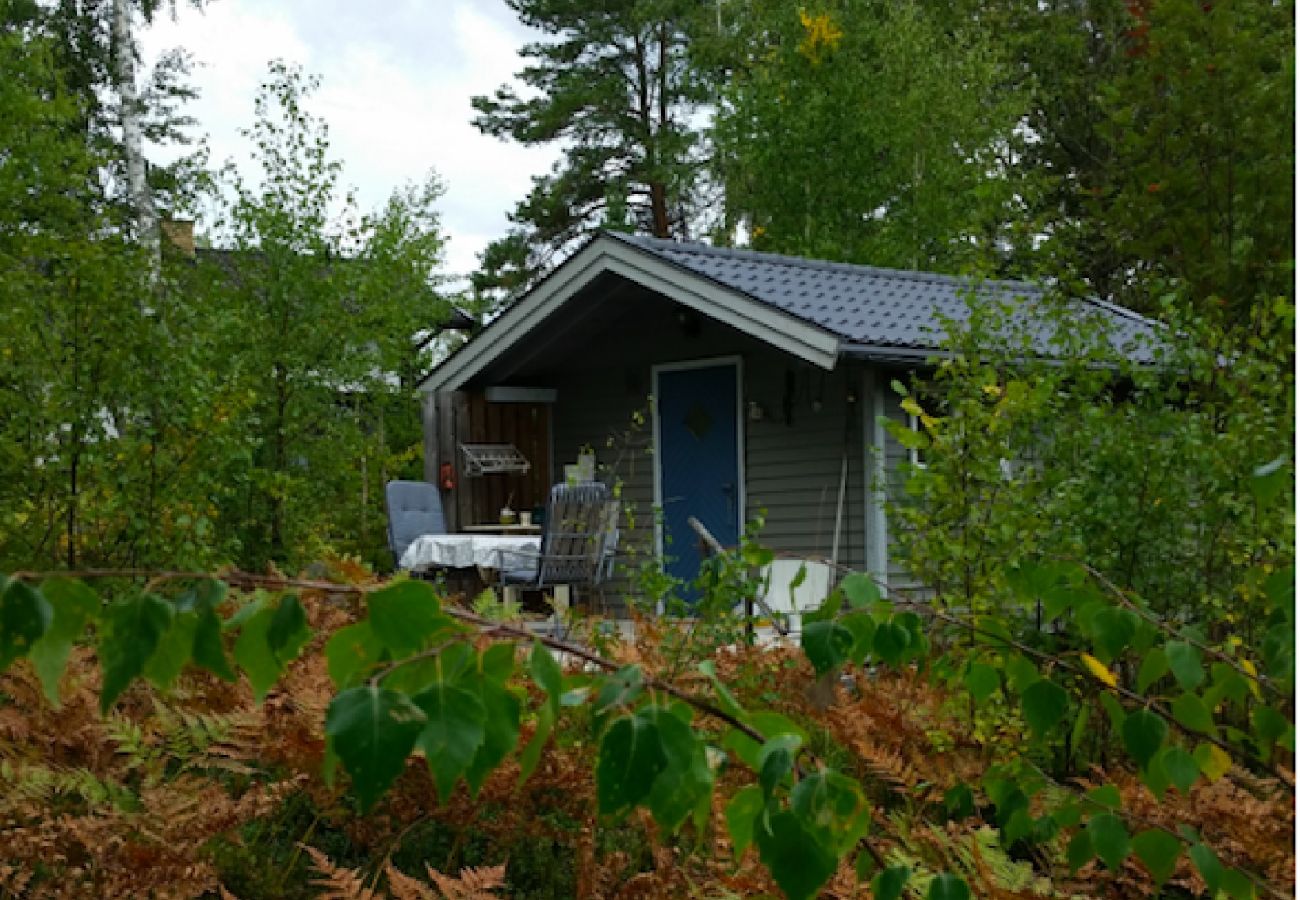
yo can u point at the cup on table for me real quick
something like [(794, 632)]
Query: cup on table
[(525, 517)]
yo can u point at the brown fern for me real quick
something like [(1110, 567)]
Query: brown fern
[(473, 883), (337, 882)]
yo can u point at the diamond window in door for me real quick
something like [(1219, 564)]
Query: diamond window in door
[(698, 422)]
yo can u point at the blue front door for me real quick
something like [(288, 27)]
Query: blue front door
[(699, 461)]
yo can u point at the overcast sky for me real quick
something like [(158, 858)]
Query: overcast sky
[(397, 81)]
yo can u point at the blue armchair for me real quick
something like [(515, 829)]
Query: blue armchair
[(414, 508)]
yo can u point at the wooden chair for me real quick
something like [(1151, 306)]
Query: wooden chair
[(574, 542)]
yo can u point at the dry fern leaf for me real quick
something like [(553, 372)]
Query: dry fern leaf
[(403, 887), (473, 883), (336, 882)]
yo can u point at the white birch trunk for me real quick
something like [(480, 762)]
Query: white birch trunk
[(133, 139)]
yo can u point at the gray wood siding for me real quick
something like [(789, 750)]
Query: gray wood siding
[(792, 468)]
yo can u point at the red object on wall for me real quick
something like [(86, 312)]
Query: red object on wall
[(447, 477)]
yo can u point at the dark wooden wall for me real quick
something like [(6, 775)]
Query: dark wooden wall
[(467, 418)]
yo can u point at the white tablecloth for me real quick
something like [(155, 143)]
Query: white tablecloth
[(463, 551)]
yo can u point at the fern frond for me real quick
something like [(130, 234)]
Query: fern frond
[(336, 882), (403, 887), (472, 883)]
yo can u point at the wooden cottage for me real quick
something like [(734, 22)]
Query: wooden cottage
[(708, 382)]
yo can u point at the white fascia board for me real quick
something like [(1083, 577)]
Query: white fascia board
[(759, 320), (513, 325), (781, 330)]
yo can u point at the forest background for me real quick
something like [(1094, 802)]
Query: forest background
[(242, 408)]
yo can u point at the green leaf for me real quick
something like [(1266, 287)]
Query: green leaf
[(982, 681), (1180, 767), (1106, 795), (947, 887), (889, 884), (173, 651), (770, 724), (1271, 728), (73, 604), (1154, 666), (742, 811), (891, 642), (351, 650), (1110, 839), (959, 802), (631, 756), (1185, 663), (25, 616), (1114, 710), (1212, 760), (254, 652), (863, 628), (1159, 851), (1044, 704), (1192, 713), (209, 650), (498, 662), (827, 645), (287, 631), (533, 751), (1020, 672), (1237, 885), (726, 699), (1079, 850), (619, 689), (860, 589), (1269, 480), (406, 616), (1144, 734), (1279, 587), (1208, 865), (500, 731), (133, 628), (1112, 631), (547, 674), (372, 731), (776, 761), (798, 863), (686, 780), (832, 809), (453, 732)]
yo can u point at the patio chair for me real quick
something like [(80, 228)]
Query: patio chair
[(414, 508), (574, 541)]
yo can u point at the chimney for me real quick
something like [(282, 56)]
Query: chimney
[(180, 234)]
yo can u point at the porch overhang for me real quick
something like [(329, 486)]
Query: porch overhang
[(606, 254)]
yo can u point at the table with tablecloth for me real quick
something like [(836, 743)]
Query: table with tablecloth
[(466, 551)]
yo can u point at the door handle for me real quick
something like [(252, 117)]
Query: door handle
[(730, 490)]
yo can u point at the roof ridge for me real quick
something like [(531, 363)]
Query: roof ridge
[(800, 262)]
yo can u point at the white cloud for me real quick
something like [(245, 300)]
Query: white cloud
[(396, 86)]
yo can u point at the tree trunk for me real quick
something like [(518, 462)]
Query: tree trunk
[(132, 136)]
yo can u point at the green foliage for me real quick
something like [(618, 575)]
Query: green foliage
[(906, 105)]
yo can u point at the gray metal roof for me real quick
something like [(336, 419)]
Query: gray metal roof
[(890, 312)]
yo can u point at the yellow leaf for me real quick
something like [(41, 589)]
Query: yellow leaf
[(912, 407), (1098, 670), (1214, 762), (993, 390), (1249, 668)]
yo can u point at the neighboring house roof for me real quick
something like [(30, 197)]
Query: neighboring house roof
[(816, 310)]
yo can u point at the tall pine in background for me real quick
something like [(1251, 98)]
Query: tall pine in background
[(614, 88)]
